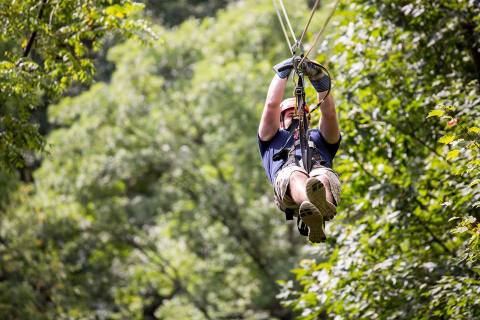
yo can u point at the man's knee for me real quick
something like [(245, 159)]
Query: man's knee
[(298, 176), (298, 179)]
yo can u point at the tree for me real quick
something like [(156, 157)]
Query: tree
[(45, 47), (173, 12), (407, 176)]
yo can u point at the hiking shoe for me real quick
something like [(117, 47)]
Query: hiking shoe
[(316, 195), (314, 220)]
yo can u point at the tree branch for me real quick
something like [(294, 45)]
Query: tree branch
[(28, 48), (472, 45)]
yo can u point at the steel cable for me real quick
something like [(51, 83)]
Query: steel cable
[(317, 37), (285, 33), (287, 20), (315, 6)]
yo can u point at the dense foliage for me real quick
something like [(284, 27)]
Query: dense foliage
[(153, 204), (44, 47), (407, 242), (173, 12)]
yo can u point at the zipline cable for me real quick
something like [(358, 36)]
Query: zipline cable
[(308, 23), (283, 26), (317, 37), (287, 20)]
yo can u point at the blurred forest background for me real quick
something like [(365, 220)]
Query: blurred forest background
[(131, 185)]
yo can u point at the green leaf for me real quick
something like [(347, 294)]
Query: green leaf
[(475, 162), (436, 113), (474, 130), (116, 10), (447, 139), (453, 154), (133, 7), (476, 269)]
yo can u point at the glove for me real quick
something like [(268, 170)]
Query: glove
[(317, 75), (284, 68)]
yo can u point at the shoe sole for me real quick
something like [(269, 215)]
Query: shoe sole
[(314, 220), (316, 195)]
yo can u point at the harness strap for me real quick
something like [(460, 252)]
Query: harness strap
[(283, 153), (301, 226), (289, 155), (289, 214)]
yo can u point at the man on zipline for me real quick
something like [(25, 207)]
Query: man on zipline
[(312, 197)]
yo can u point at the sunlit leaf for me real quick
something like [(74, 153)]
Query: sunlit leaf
[(474, 130), (447, 139), (453, 154), (474, 183), (435, 113)]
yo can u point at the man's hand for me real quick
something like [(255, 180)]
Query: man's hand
[(284, 68), (317, 75)]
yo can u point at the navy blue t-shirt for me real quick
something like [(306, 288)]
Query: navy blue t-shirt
[(274, 145)]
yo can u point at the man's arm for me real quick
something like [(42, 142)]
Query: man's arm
[(321, 81), (328, 123), (270, 121)]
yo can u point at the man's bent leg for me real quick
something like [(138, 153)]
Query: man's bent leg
[(290, 192), (314, 220), (323, 190), (317, 195), (331, 182), (281, 186), (308, 212), (298, 182)]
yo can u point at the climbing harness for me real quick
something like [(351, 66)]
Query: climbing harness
[(302, 144)]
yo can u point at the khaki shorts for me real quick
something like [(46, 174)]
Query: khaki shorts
[(283, 200)]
